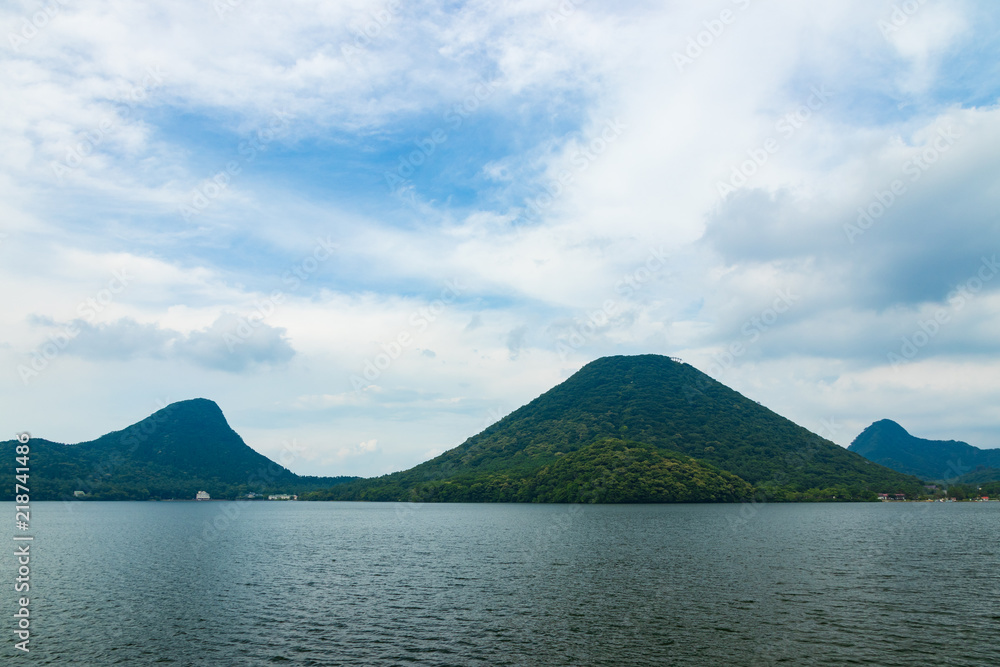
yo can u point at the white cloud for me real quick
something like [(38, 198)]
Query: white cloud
[(920, 34), (360, 449), (620, 152)]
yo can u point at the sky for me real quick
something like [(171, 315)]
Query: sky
[(367, 230)]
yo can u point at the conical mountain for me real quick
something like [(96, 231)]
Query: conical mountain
[(653, 404), (183, 448), (887, 443)]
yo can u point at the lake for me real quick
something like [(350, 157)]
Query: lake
[(294, 583)]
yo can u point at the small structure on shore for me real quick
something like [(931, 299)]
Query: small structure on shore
[(202, 495)]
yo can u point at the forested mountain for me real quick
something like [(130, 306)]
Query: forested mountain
[(650, 410), (641, 428), (605, 471), (889, 444), (184, 448)]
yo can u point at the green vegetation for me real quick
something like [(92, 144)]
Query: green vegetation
[(667, 411), (968, 491), (991, 489), (887, 443), (621, 430), (184, 448), (606, 471), (980, 476)]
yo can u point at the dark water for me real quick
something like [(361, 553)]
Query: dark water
[(392, 584)]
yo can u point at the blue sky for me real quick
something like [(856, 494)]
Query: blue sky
[(369, 229)]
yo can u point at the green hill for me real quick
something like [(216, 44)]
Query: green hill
[(184, 448), (666, 411), (887, 443), (605, 471)]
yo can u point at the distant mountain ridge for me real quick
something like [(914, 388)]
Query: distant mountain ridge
[(642, 428), (887, 443), (183, 448), (650, 406)]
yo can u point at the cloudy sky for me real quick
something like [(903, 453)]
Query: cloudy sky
[(369, 229)]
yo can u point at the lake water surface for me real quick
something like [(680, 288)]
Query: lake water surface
[(293, 583)]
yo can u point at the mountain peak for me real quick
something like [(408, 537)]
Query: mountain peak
[(615, 366), (885, 426), (193, 406), (193, 420), (182, 448), (633, 360), (887, 443), (652, 403)]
